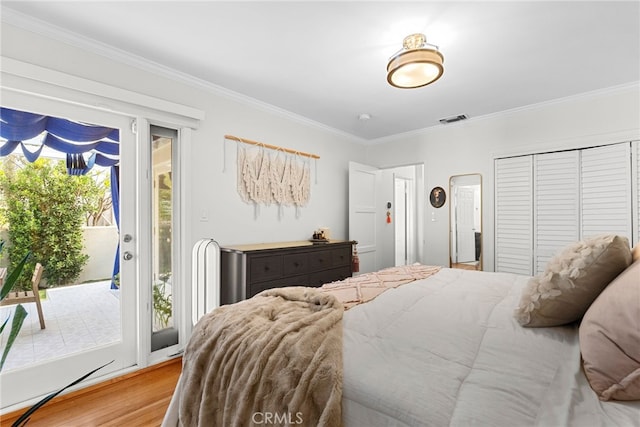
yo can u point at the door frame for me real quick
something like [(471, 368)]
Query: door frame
[(36, 380), (379, 246), (409, 221), (21, 84)]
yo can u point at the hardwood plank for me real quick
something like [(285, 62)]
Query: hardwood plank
[(466, 266), (140, 398)]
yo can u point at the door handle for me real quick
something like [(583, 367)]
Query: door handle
[(127, 256)]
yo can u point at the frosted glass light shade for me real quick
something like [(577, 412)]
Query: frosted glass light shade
[(416, 67)]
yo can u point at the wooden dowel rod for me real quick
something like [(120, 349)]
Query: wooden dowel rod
[(273, 147)]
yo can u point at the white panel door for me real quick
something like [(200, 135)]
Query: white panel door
[(363, 214), (556, 204), (606, 190), (514, 215)]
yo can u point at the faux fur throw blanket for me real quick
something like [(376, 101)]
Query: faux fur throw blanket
[(365, 287), (274, 359)]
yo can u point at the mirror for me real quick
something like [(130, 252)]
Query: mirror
[(465, 221)]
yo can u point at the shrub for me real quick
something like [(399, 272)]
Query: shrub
[(45, 209)]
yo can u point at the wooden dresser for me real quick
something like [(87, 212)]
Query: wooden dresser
[(246, 270)]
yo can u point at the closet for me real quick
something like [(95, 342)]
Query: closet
[(545, 201)]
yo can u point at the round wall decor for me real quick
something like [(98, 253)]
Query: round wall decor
[(437, 197)]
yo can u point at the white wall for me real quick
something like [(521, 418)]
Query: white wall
[(465, 147), (232, 221), (596, 118), (100, 244), (213, 193)]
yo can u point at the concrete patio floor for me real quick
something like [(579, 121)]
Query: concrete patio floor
[(76, 317)]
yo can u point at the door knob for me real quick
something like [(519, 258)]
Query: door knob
[(127, 256)]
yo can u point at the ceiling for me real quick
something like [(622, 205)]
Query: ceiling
[(326, 61)]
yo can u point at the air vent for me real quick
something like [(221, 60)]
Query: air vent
[(453, 119)]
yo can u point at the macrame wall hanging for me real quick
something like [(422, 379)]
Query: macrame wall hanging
[(268, 174)]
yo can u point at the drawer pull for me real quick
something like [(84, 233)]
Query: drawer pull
[(296, 264), (266, 268)]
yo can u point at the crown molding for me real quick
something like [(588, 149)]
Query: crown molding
[(62, 35), (625, 87)]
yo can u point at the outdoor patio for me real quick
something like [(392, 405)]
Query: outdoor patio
[(77, 318)]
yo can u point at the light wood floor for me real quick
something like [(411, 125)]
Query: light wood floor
[(463, 266), (137, 399)]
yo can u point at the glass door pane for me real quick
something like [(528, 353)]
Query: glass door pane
[(164, 328)]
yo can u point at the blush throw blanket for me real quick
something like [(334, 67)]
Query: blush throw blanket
[(275, 358), (356, 290)]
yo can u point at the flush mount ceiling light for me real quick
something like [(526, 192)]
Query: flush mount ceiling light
[(417, 64)]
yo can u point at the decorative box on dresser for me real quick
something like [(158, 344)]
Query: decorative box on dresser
[(246, 270)]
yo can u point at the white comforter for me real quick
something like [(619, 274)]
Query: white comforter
[(446, 351)]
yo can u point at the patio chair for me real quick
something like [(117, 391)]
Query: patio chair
[(18, 297)]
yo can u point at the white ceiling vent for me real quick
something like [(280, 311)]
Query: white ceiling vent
[(453, 119)]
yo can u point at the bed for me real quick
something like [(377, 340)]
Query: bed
[(447, 350)]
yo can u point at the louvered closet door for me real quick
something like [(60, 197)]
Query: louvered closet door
[(606, 190), (556, 204), (514, 204)]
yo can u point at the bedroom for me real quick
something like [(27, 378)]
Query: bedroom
[(601, 115)]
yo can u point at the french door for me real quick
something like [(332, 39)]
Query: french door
[(44, 375)]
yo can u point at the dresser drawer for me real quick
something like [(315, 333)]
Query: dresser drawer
[(341, 257), (295, 264), (327, 276), (256, 288), (320, 260), (263, 268)]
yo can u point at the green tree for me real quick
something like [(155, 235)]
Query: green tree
[(45, 209), (97, 200)]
